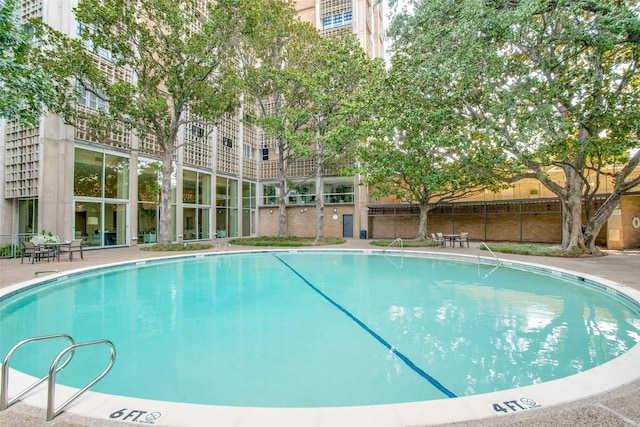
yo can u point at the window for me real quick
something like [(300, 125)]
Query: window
[(337, 20), (247, 151), (227, 142), (338, 193), (92, 98), (196, 213), (88, 44), (271, 194)]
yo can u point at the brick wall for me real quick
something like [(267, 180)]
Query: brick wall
[(301, 221)]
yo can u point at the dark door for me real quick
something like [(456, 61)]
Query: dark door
[(347, 225)]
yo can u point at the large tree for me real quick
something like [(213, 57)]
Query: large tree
[(279, 57), (545, 84), (340, 77), (183, 56), (412, 149), (25, 88)]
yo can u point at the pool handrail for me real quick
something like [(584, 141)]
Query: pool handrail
[(490, 251), (5, 402), (52, 412), (396, 240)]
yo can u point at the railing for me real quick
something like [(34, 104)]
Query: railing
[(498, 265), (391, 244), (11, 244), (51, 410), (5, 402), (490, 251), (69, 351)]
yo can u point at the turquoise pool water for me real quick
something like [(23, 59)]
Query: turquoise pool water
[(319, 328)]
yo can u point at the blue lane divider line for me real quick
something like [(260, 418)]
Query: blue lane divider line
[(371, 332)]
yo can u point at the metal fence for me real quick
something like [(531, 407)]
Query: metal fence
[(11, 244)]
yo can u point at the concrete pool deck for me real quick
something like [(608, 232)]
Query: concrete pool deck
[(617, 406)]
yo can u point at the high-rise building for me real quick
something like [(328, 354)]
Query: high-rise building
[(61, 179)]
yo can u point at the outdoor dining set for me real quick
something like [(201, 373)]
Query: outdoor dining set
[(441, 239), (36, 250)]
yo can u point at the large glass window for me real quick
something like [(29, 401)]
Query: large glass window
[(87, 173), (248, 208), (101, 189), (116, 177), (28, 216), (270, 194), (226, 207), (338, 192), (88, 222), (196, 212), (94, 171), (148, 198)]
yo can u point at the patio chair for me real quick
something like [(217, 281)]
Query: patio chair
[(464, 237), (439, 239), (33, 252), (74, 246)]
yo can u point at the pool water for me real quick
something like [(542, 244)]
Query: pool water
[(319, 328)]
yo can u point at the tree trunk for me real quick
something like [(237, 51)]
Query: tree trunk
[(422, 225), (598, 220), (282, 211), (319, 201), (319, 210), (282, 208), (164, 234), (571, 201)]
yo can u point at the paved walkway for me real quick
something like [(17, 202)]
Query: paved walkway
[(618, 407)]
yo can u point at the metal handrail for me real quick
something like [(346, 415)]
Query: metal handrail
[(45, 271), (52, 412), (397, 240), (5, 402), (490, 251)]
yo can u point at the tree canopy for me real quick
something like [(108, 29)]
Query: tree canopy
[(26, 91), (544, 84), (413, 149), (183, 57)]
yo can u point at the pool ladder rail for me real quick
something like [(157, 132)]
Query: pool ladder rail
[(69, 351), (395, 241), (498, 260)]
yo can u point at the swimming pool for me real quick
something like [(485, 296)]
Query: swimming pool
[(370, 328)]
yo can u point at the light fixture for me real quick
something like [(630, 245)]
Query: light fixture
[(270, 211), (335, 210)]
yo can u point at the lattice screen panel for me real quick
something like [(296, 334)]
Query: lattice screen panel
[(197, 148), (269, 169), (22, 166), (331, 7), (119, 137), (227, 146), (302, 167), (251, 137), (149, 145), (335, 32), (31, 9), (250, 168)]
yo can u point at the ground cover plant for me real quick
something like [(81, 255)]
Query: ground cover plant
[(286, 241), (177, 247)]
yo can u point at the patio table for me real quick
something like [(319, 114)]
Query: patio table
[(55, 246), (451, 238)]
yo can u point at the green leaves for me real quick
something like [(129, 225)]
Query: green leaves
[(26, 89)]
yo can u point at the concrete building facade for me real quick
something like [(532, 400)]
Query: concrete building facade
[(58, 178)]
